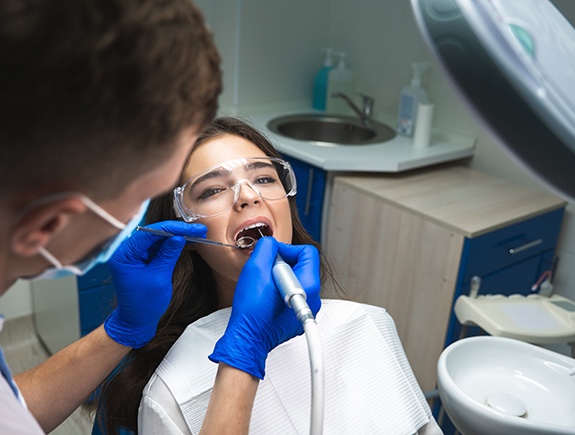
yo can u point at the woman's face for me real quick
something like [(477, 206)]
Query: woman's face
[(249, 209)]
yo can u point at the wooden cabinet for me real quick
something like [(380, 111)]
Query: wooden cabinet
[(411, 242)]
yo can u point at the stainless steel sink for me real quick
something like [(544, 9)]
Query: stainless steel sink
[(327, 129)]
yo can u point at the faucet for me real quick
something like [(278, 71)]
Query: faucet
[(364, 113)]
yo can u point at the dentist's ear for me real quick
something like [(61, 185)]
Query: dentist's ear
[(39, 224)]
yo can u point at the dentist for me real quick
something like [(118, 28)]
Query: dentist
[(100, 103)]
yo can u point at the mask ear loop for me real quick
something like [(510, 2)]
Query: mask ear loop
[(56, 263), (87, 201), (102, 213), (95, 208)]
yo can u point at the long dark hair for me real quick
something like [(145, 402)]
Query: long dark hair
[(194, 296)]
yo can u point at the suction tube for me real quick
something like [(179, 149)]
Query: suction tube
[(295, 298)]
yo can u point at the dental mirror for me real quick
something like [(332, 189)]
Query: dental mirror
[(245, 242), (513, 63)]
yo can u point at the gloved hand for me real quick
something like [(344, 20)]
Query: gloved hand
[(142, 269), (260, 319)]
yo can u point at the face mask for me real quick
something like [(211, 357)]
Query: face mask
[(103, 255)]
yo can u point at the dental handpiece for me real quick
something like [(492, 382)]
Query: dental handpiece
[(291, 289), (295, 298)]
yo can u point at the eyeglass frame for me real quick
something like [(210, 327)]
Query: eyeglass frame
[(187, 215)]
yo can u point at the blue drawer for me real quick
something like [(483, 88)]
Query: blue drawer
[(96, 304), (97, 277), (486, 254), (311, 182)]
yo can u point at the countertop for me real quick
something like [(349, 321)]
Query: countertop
[(460, 199), (395, 155)]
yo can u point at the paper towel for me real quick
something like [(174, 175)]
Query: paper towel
[(423, 121)]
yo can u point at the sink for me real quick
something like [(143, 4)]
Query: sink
[(499, 386), (330, 130)]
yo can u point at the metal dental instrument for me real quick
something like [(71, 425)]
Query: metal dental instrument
[(245, 244), (295, 298)]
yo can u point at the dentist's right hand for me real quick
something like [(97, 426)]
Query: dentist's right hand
[(260, 319), (142, 270)]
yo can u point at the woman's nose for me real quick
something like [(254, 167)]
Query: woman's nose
[(246, 195)]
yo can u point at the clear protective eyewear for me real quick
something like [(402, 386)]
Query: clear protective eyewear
[(218, 189)]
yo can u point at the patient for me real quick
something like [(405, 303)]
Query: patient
[(240, 187)]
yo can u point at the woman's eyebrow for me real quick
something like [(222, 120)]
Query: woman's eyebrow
[(256, 165), (219, 172)]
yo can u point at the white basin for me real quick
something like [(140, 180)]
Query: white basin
[(494, 385)]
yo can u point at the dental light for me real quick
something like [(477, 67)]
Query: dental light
[(513, 63)]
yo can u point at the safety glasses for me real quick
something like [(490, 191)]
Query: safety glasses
[(218, 189)]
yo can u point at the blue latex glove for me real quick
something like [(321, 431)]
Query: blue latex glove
[(142, 269), (260, 319)]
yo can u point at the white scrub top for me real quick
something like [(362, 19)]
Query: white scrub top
[(14, 416), (369, 385)]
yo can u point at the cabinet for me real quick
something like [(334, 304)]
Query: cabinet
[(411, 242), (311, 184), (95, 298)]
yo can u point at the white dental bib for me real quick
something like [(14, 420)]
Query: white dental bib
[(370, 388)]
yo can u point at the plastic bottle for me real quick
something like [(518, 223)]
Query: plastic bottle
[(341, 79), (320, 82), (411, 96)]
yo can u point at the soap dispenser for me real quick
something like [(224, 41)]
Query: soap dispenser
[(341, 79), (411, 96), (320, 81)]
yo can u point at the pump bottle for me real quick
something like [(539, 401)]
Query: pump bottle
[(320, 81), (411, 96), (341, 79)]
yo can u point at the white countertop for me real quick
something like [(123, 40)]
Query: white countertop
[(395, 155)]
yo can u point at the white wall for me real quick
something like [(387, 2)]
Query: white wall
[(278, 59), (271, 51), (269, 48), (17, 302)]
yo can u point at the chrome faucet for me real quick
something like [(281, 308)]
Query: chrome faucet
[(367, 106)]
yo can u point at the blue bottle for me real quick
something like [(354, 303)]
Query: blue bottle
[(320, 82)]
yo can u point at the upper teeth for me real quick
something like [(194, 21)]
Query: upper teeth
[(259, 224)]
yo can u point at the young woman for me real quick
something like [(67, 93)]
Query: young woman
[(240, 187)]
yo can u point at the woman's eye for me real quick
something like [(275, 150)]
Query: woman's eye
[(266, 180), (210, 192)]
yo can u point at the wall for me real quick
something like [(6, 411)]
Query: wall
[(17, 302), (271, 50), (277, 60)]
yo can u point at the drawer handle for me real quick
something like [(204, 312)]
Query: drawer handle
[(309, 192), (526, 246)]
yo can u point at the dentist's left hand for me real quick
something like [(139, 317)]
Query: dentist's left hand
[(142, 269), (260, 319)]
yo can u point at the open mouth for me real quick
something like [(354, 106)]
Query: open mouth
[(251, 234)]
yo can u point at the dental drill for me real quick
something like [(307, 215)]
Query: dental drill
[(295, 298)]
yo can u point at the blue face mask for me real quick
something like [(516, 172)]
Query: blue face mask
[(59, 270)]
